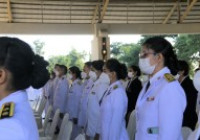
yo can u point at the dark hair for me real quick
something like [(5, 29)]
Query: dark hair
[(197, 69), (64, 68), (115, 66), (26, 68), (88, 64), (98, 65), (161, 45), (183, 66), (136, 69), (57, 65), (76, 71)]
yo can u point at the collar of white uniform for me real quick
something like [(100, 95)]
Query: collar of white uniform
[(104, 78), (159, 74), (64, 76), (116, 83), (16, 97), (76, 80)]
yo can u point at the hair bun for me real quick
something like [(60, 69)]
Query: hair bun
[(40, 74)]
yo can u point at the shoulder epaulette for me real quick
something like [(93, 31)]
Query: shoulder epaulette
[(115, 87), (7, 110), (169, 77)]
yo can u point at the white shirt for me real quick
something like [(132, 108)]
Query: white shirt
[(60, 95), (48, 91), (96, 93), (113, 111), (160, 109), (82, 118), (22, 125)]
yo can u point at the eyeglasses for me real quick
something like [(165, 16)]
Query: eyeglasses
[(145, 54)]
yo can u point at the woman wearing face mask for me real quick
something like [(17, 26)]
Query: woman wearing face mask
[(96, 93), (133, 88), (161, 103), (60, 91), (89, 78), (114, 104), (190, 115), (74, 96), (19, 69)]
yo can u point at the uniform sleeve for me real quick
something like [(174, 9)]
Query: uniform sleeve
[(172, 103), (119, 107), (11, 130)]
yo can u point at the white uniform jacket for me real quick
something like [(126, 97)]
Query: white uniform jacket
[(82, 117), (48, 93), (73, 98), (96, 93), (113, 110), (22, 125), (60, 95), (159, 110)]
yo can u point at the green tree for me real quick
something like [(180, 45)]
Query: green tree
[(74, 58), (188, 47), (126, 53), (38, 47)]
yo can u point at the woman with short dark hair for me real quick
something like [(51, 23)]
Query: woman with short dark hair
[(19, 69), (114, 104), (133, 88), (190, 116)]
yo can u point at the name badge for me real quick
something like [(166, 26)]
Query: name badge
[(153, 130), (149, 99)]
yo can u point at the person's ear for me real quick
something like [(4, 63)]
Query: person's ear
[(182, 72), (3, 75), (114, 74), (160, 57)]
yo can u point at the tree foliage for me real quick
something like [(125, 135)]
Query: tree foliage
[(74, 58), (126, 53), (188, 47)]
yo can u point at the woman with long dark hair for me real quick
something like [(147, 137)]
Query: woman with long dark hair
[(19, 69), (161, 103)]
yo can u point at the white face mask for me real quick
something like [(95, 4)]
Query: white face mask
[(83, 75), (196, 80), (70, 76), (56, 72), (177, 76), (130, 74), (92, 75), (145, 66)]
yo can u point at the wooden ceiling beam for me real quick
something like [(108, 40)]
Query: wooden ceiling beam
[(106, 2), (9, 12), (170, 13), (188, 9)]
